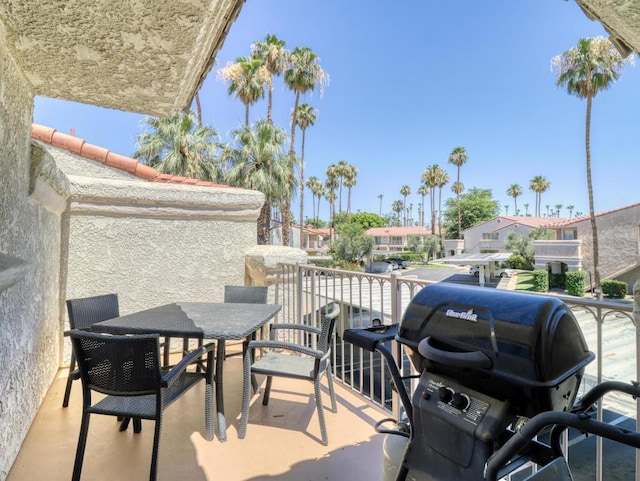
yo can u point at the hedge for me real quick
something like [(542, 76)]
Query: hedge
[(575, 283), (540, 280), (614, 289)]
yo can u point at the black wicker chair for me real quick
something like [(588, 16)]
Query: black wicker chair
[(309, 364), (127, 369), (82, 314), (247, 295)]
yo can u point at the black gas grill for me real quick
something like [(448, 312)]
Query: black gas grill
[(487, 359)]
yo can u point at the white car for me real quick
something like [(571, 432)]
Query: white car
[(499, 272)]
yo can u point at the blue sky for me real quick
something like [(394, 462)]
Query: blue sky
[(411, 80)]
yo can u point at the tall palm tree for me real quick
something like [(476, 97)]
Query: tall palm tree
[(176, 145), (380, 197), (526, 209), (331, 185), (341, 170), (590, 67), (316, 187), (423, 190), (458, 157), (350, 180), (570, 209), (248, 77), (514, 191), (539, 184), (557, 207), (306, 117), (258, 161), (273, 55), (397, 206), (506, 209), (430, 179), (405, 190), (441, 179)]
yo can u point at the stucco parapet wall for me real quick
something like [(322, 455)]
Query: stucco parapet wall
[(63, 181), (12, 270), (262, 262)]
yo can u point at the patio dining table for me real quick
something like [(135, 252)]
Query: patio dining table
[(198, 320)]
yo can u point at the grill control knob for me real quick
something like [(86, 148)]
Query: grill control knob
[(445, 394), (460, 401)]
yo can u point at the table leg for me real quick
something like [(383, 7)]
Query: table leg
[(222, 424)]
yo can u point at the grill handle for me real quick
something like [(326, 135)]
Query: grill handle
[(472, 359)]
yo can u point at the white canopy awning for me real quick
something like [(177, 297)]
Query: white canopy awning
[(479, 259)]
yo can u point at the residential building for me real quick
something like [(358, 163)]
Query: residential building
[(395, 238)]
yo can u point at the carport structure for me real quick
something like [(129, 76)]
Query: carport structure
[(484, 260)]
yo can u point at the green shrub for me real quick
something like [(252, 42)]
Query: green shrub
[(516, 261), (575, 283), (557, 280), (322, 262), (540, 280), (614, 289)]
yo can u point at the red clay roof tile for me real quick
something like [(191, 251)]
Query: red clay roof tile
[(79, 147)]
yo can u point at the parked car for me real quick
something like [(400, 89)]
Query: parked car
[(499, 272), (394, 265), (378, 268), (402, 264)]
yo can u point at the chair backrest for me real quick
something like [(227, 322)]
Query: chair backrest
[(246, 294), (126, 365), (331, 312), (89, 310)]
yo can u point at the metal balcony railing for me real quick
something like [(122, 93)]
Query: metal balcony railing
[(608, 328)]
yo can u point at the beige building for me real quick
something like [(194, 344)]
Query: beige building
[(395, 238)]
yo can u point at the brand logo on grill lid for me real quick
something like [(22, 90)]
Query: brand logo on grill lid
[(467, 316)]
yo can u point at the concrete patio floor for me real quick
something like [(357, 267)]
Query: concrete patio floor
[(282, 442)]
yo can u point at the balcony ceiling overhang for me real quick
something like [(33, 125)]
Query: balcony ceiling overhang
[(146, 56), (621, 18)]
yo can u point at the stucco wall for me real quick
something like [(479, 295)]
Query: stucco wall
[(29, 310)]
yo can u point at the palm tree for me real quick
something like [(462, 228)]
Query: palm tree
[(458, 188), (429, 178), (342, 171), (405, 190), (306, 117), (526, 209), (539, 184), (441, 179), (570, 209), (248, 76), (380, 197), (506, 209), (590, 67), (257, 161), (176, 145), (557, 207), (331, 185), (458, 157), (273, 55), (515, 191), (423, 190), (397, 207), (547, 206), (350, 181), (316, 187)]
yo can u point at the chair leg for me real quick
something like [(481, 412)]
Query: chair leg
[(67, 389), (166, 351), (82, 443), (246, 396), (267, 391), (323, 426), (153, 474), (332, 393), (208, 399), (137, 425)]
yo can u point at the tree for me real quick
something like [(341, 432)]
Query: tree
[(526, 209), (316, 187), (539, 184), (405, 190), (585, 70), (514, 191), (351, 244), (441, 179), (423, 190), (367, 220), (458, 157), (430, 179), (178, 146), (557, 207), (380, 197), (349, 182), (523, 245), (477, 205), (273, 55), (330, 185), (258, 161), (397, 206), (340, 170), (570, 209), (426, 246), (248, 77), (306, 117)]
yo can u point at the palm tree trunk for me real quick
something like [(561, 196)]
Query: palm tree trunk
[(459, 217), (348, 201), (432, 198), (198, 109), (294, 118), (592, 215), (263, 223), (302, 187), (246, 116), (440, 231), (269, 104)]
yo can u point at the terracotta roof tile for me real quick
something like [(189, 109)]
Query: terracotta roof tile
[(79, 147)]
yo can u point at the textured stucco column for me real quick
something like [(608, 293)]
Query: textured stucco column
[(261, 263)]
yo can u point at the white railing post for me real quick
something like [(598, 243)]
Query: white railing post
[(396, 310)]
